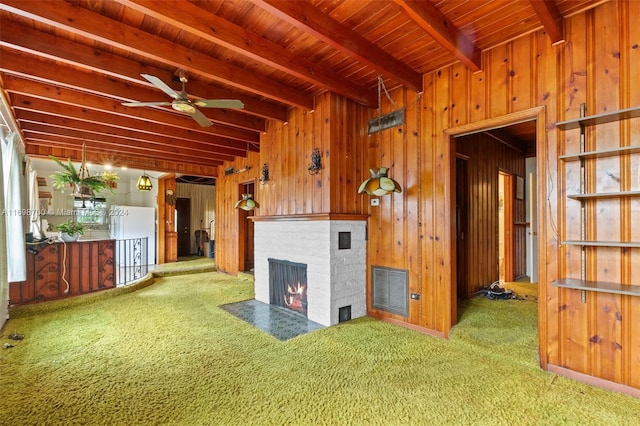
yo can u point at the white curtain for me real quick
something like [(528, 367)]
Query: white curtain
[(34, 202), (4, 282), (203, 209), (13, 207)]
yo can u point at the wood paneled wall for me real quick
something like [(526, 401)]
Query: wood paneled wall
[(599, 65), (415, 230), (485, 157), (229, 250), (335, 127)]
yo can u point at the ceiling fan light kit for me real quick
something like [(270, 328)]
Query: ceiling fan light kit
[(181, 101)]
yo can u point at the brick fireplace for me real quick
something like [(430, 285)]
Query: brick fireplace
[(333, 249)]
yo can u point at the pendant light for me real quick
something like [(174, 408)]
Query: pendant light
[(144, 183), (379, 183), (247, 203)]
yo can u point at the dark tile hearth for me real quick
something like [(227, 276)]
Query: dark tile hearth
[(276, 321)]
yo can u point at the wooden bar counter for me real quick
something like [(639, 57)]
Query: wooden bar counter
[(60, 270)]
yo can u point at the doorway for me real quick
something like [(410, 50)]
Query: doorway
[(462, 192), (245, 230), (505, 226), (480, 268), (183, 225)]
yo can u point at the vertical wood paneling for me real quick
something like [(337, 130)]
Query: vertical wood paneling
[(427, 204), (441, 278), (486, 157), (573, 340), (599, 65), (630, 51)]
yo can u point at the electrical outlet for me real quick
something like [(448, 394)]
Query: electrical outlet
[(375, 202)]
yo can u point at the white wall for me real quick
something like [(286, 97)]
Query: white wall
[(125, 194), (530, 200)]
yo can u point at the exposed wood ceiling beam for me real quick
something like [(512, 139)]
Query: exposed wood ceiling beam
[(194, 20), (55, 136), (118, 160), (65, 115), (310, 19), (548, 13), (63, 50), (53, 100), (121, 36), (430, 19), (113, 93)]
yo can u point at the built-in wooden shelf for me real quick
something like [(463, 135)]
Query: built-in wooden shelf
[(606, 117), (594, 195), (599, 286), (42, 181), (611, 152), (601, 243)]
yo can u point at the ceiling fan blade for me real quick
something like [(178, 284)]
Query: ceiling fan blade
[(161, 85), (218, 103), (136, 104), (201, 119)]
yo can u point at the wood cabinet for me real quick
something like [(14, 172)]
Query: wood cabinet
[(589, 218), (57, 271)]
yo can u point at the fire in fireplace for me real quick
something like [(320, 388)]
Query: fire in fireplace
[(288, 285)]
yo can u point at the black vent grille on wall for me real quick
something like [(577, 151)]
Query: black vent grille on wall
[(390, 290)]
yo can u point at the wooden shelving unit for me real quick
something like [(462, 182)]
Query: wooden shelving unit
[(584, 156), (598, 286), (621, 194), (593, 120)]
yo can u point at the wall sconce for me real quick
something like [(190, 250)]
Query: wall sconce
[(264, 174), (379, 183), (315, 166), (144, 183), (247, 203)]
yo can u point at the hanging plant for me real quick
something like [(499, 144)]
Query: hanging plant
[(70, 178)]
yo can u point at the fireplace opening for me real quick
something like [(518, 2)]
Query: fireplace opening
[(288, 285)]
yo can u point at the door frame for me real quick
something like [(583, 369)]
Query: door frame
[(449, 146)]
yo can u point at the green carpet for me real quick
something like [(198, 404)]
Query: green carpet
[(166, 354)]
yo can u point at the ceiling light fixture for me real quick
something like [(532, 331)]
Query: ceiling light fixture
[(144, 183), (379, 183)]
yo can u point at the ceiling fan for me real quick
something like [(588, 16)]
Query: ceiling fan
[(181, 101)]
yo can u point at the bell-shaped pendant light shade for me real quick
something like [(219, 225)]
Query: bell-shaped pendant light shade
[(379, 183), (144, 183), (247, 203)]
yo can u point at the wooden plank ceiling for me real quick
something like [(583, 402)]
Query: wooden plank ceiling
[(66, 67)]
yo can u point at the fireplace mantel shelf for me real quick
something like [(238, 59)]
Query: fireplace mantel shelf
[(316, 216)]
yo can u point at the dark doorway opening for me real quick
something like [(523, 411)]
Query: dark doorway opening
[(183, 225), (492, 214), (462, 192)]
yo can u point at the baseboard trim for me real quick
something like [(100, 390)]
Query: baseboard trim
[(423, 330), (594, 381)]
